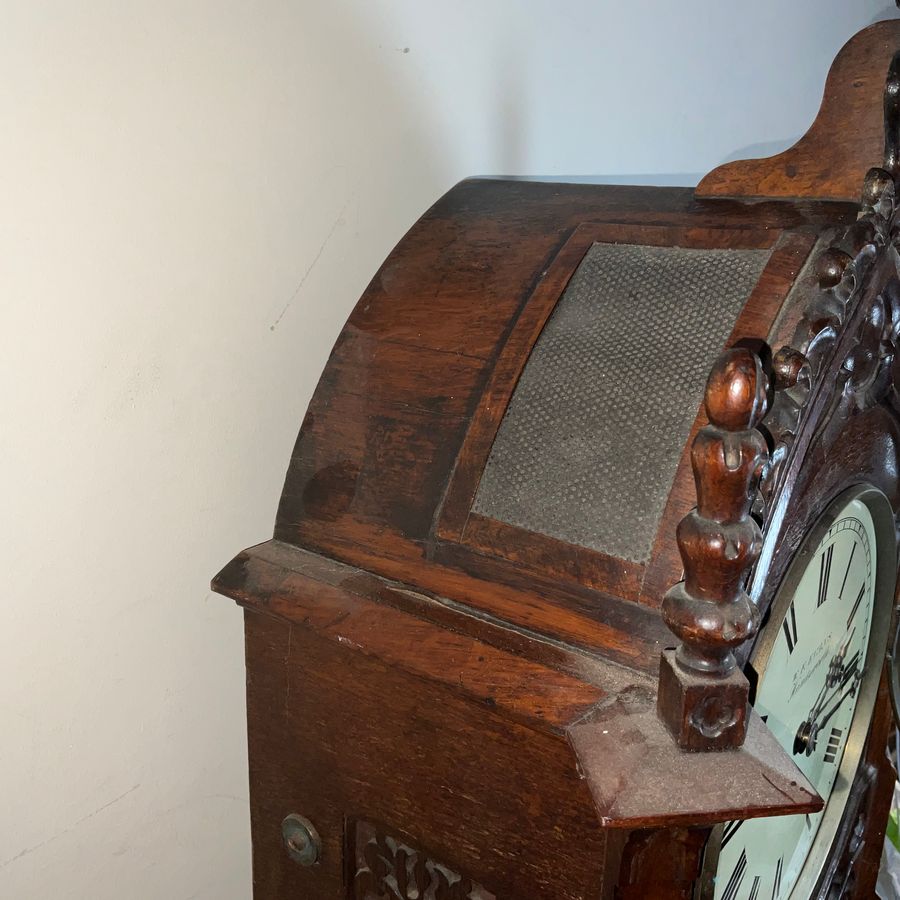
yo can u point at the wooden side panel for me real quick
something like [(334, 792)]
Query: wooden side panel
[(339, 737), (384, 431), (544, 555), (854, 870), (416, 354), (368, 461)]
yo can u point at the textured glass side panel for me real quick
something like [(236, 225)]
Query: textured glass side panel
[(588, 449)]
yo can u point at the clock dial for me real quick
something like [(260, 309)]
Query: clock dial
[(812, 660)]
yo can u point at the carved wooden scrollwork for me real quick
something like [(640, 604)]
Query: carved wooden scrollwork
[(388, 868), (867, 374), (841, 360)]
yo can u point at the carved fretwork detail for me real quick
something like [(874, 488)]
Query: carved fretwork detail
[(388, 868), (702, 695), (843, 302)]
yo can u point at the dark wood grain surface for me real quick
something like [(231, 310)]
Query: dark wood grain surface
[(337, 735), (380, 477)]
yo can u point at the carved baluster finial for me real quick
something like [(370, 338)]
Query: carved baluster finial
[(702, 694)]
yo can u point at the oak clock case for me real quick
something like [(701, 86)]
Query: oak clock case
[(848, 609), (572, 445)]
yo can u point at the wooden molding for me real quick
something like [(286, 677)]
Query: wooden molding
[(850, 315)]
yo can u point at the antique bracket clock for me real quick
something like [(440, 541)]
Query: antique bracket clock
[(582, 581)]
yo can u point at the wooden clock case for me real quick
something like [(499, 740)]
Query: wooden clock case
[(457, 707)]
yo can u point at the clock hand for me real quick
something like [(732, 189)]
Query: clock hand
[(836, 666), (851, 669), (838, 675), (857, 676), (821, 701)]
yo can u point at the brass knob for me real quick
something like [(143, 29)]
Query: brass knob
[(301, 840)]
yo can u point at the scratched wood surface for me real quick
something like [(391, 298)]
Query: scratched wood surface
[(337, 736)]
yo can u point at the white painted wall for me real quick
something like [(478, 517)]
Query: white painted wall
[(193, 196)]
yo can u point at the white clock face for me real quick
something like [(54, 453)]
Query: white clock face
[(811, 664)]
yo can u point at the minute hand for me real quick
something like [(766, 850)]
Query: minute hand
[(839, 673), (856, 675)]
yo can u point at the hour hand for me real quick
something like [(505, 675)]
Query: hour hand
[(856, 676), (851, 670), (839, 674)]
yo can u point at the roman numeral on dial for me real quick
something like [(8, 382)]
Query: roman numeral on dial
[(754, 890), (847, 571), (856, 603), (834, 744), (789, 627), (731, 830), (776, 888), (824, 574), (737, 877)]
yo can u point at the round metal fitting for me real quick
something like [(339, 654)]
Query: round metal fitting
[(301, 840)]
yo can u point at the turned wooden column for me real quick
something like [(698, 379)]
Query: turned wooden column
[(703, 696)]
